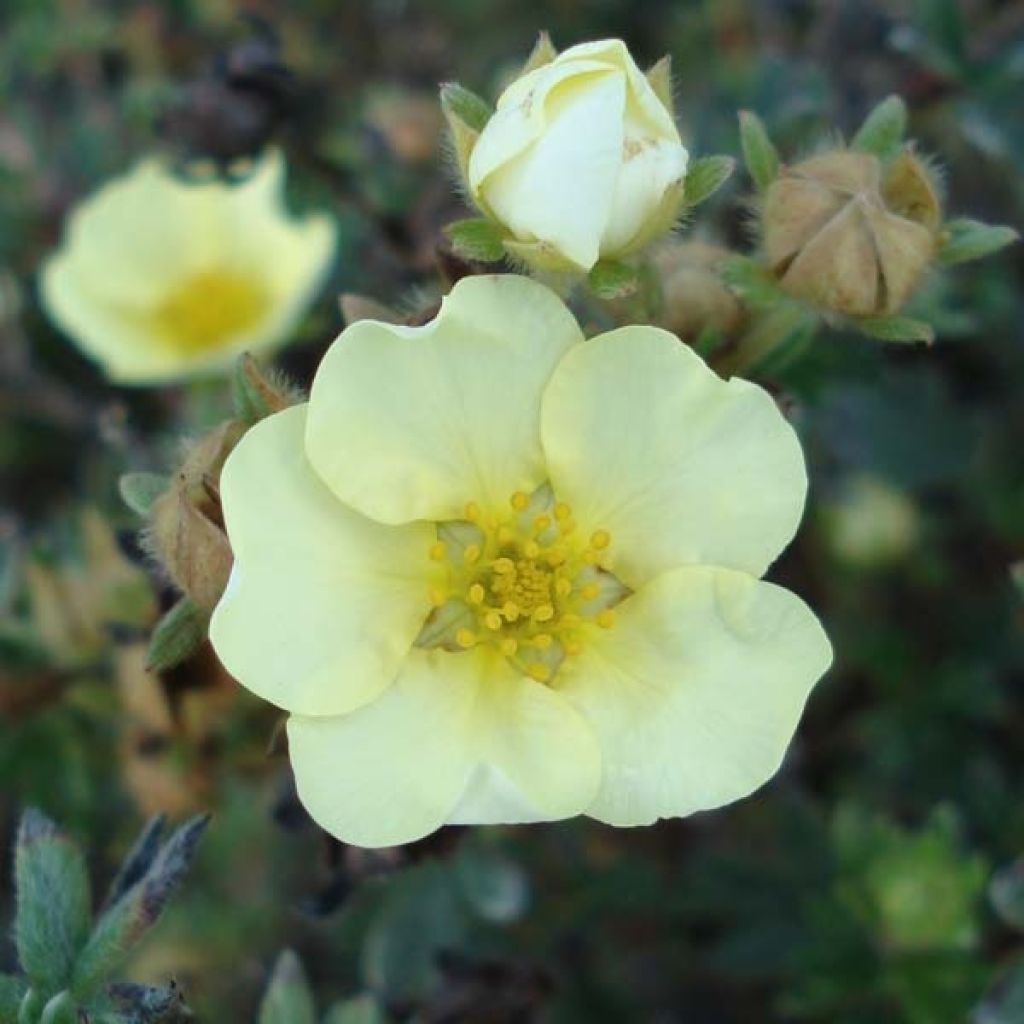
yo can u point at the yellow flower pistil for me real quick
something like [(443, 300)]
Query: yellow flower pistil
[(209, 308), (527, 581)]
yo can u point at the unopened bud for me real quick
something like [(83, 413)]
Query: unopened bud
[(848, 235), (694, 295), (186, 531)]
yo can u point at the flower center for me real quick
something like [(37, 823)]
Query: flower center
[(209, 307), (523, 582)]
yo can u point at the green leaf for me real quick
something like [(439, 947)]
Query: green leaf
[(288, 999), (361, 1010), (1006, 892), (476, 238), (709, 341), (659, 77), (176, 636), (61, 1009), (31, 1007), (883, 129), (897, 328), (965, 239), (137, 911), (493, 885), (610, 279), (759, 152), (543, 53), (140, 490), (751, 281), (460, 104), (12, 991), (706, 176), (52, 886)]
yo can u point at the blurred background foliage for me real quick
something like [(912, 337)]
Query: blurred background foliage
[(876, 880)]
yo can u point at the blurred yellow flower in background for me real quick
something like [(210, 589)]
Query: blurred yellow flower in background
[(500, 573), (159, 279)]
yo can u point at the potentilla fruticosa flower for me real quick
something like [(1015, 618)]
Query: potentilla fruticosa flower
[(159, 278), (500, 573), (581, 160)]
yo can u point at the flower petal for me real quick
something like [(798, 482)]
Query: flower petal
[(696, 691), (644, 440), (323, 604), (539, 760), (414, 759), (414, 422), (392, 771)]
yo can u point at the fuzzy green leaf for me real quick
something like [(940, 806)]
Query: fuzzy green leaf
[(52, 886), (140, 490), (31, 1007), (61, 1009), (464, 106), (759, 152), (176, 636), (543, 53), (897, 328), (883, 129), (751, 281), (966, 239), (659, 77), (288, 999), (361, 1010), (12, 991), (134, 914), (1006, 893), (476, 238), (706, 176), (610, 279)]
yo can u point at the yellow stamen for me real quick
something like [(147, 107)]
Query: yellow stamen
[(600, 539), (520, 500), (465, 638), (606, 618), (476, 594), (562, 511), (590, 591), (545, 613), (539, 671), (438, 551), (438, 596), (472, 511), (471, 553), (511, 611), (543, 640), (493, 621), (563, 587), (508, 646)]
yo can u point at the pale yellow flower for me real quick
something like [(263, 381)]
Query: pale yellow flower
[(581, 160), (159, 279), (498, 573)]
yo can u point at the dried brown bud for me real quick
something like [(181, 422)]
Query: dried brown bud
[(186, 530), (847, 235), (695, 296)]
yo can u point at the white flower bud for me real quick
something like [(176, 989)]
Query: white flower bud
[(580, 161)]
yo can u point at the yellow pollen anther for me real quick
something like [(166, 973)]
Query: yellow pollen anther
[(520, 500), (476, 594), (465, 638), (509, 645), (606, 618), (600, 539), (438, 596), (531, 549), (570, 621), (493, 621), (472, 511), (510, 610), (562, 511), (572, 646), (563, 587), (539, 671), (438, 551), (566, 526), (471, 553), (544, 613), (506, 535), (543, 640), (541, 523), (590, 591), (503, 566)]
